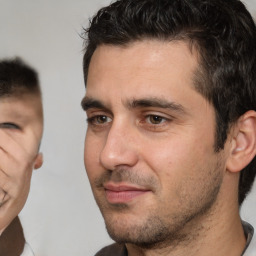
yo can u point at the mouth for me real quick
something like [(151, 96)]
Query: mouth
[(123, 193)]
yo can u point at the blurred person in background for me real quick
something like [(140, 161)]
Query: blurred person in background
[(21, 128)]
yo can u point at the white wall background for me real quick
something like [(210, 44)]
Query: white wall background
[(61, 217)]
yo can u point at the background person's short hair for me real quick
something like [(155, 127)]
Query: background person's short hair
[(17, 77)]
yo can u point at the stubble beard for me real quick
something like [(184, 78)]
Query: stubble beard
[(155, 231)]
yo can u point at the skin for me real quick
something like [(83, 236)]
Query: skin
[(149, 153), (21, 128)]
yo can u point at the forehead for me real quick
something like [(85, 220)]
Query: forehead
[(142, 68), (23, 107)]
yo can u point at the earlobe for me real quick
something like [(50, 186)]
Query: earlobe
[(38, 161), (243, 144)]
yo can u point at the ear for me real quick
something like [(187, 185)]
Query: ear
[(243, 142), (38, 161)]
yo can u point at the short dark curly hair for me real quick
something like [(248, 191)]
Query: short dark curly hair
[(224, 34)]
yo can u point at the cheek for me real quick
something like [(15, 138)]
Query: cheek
[(92, 151), (177, 160), (88, 149)]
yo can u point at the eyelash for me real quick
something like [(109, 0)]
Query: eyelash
[(161, 119), (147, 119), (10, 126), (93, 120)]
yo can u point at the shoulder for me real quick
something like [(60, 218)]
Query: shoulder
[(113, 249)]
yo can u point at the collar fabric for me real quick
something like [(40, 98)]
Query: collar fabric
[(250, 247)]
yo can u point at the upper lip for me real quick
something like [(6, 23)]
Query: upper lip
[(123, 187)]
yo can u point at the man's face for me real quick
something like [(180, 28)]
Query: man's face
[(20, 114), (149, 147), (21, 127)]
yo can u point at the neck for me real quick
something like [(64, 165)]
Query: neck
[(218, 232)]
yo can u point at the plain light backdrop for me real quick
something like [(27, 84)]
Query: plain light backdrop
[(60, 217)]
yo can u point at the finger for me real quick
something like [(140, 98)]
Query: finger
[(19, 147), (3, 197), (13, 186), (6, 182), (3, 173), (9, 145), (9, 165), (6, 191)]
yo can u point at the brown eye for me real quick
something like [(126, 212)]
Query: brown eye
[(153, 119), (99, 120), (102, 119)]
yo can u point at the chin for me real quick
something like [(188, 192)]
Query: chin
[(145, 233)]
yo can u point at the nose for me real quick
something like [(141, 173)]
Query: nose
[(120, 147)]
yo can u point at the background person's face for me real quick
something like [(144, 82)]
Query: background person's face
[(25, 112), (21, 124), (149, 147)]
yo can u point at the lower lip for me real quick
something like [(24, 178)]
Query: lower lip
[(115, 197)]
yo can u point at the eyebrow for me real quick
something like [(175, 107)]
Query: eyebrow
[(88, 102), (157, 103)]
